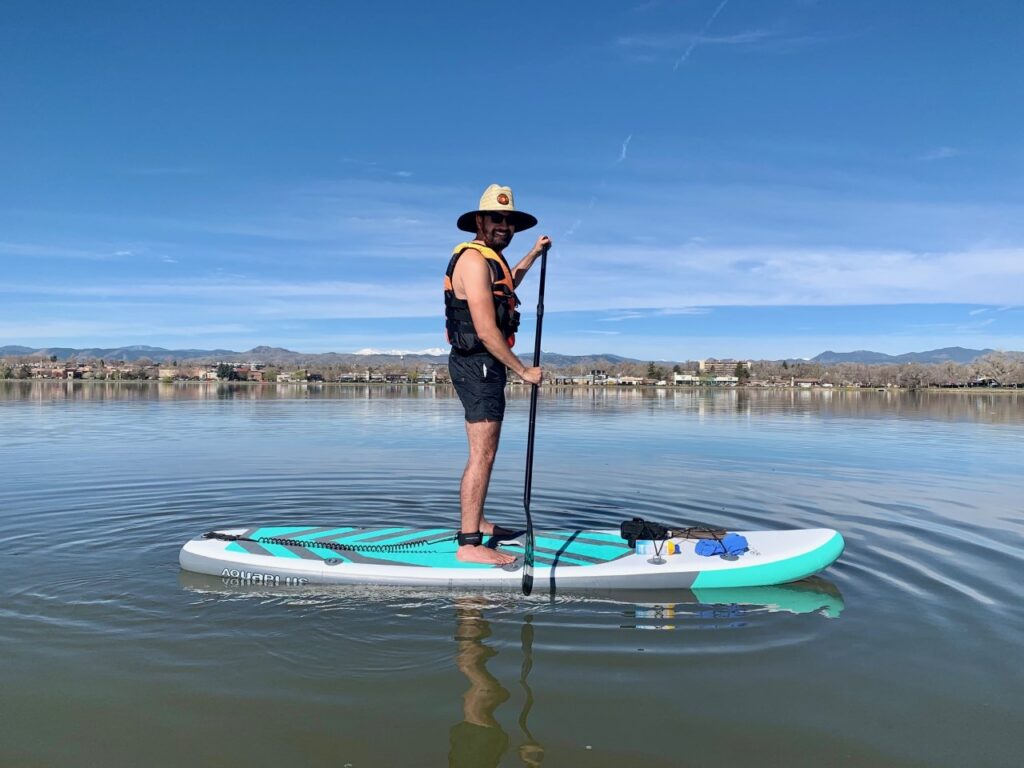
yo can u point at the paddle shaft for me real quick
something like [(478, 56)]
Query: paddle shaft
[(528, 484)]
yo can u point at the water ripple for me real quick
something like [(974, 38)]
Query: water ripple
[(102, 486)]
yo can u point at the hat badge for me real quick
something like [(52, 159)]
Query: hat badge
[(502, 199)]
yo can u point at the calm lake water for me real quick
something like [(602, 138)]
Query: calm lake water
[(907, 652)]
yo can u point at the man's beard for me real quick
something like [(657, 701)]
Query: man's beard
[(498, 241)]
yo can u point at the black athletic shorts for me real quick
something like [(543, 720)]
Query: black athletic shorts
[(480, 381)]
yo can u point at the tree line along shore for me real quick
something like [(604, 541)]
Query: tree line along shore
[(997, 370)]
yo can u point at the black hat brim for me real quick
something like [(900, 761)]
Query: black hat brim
[(522, 221)]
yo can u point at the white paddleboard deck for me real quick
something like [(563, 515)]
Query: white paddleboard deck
[(590, 559)]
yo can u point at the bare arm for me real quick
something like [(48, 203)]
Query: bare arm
[(473, 276), (520, 270)]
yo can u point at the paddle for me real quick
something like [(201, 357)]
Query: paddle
[(528, 556)]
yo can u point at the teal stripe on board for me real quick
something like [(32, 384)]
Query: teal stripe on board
[(586, 548), (277, 550), (566, 558), (399, 538), (327, 554), (580, 550), (279, 531), (774, 573), (325, 534), (366, 533), (442, 559)]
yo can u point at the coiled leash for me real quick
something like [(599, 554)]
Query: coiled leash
[(403, 547)]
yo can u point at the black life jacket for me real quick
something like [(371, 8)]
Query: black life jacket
[(458, 321)]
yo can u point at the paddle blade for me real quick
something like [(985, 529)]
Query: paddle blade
[(528, 559)]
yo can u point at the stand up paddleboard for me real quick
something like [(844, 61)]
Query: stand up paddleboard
[(598, 559)]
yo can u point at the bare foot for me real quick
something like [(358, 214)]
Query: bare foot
[(470, 554)]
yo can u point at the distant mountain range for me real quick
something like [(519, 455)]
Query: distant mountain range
[(944, 355), (280, 356)]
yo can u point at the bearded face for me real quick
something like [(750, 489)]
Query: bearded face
[(495, 229)]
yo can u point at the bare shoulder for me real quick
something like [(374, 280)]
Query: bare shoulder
[(469, 253), (470, 262), (471, 274)]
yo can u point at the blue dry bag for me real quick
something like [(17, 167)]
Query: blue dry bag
[(731, 543)]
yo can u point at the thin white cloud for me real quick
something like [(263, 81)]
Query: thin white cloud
[(54, 251), (672, 41), (941, 153), (679, 281), (685, 311), (662, 312), (85, 331), (681, 278), (707, 25), (625, 147), (619, 317), (654, 47), (573, 228), (578, 221)]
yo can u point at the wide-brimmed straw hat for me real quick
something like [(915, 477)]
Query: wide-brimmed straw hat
[(497, 199)]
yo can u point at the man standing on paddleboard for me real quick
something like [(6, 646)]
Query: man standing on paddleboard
[(481, 320)]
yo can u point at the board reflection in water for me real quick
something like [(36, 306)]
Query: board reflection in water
[(479, 738)]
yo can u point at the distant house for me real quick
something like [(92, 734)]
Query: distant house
[(246, 373), (723, 367)]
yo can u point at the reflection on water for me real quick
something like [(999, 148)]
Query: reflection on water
[(733, 608), (1002, 407), (531, 751), (657, 608), (102, 483), (479, 740), (482, 736)]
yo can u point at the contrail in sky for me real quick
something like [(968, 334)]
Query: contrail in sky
[(707, 25), (679, 62), (625, 146)]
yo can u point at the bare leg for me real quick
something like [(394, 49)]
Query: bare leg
[(483, 446)]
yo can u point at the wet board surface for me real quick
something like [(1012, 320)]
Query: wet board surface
[(600, 559)]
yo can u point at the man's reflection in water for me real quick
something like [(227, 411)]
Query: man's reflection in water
[(479, 740)]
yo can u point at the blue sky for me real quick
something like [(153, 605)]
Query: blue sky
[(730, 179)]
